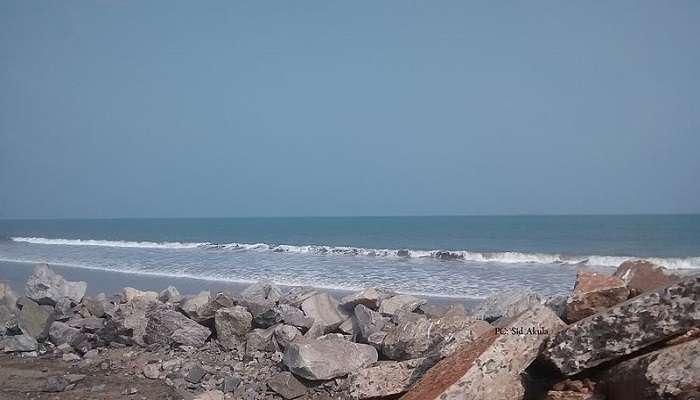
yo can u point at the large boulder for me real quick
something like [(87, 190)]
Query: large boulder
[(368, 322), (388, 378), (18, 343), (231, 324), (47, 287), (286, 385), (8, 308), (296, 295), (260, 298), (168, 327), (672, 372), (285, 334), (490, 367), (594, 292), (199, 307), (291, 315), (370, 298), (642, 276), (401, 302), (61, 333), (506, 304), (325, 310), (170, 295), (7, 296), (625, 328), (34, 320), (412, 338), (127, 294), (132, 316), (260, 340), (327, 359)]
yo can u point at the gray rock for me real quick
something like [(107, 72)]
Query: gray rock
[(128, 294), (7, 296), (285, 334), (369, 298), (453, 341), (132, 316), (506, 304), (327, 359), (8, 319), (368, 322), (291, 315), (434, 311), (401, 302), (410, 339), (61, 333), (55, 384), (34, 320), (387, 378), (490, 367), (231, 383), (91, 324), (261, 340), (376, 340), (260, 297), (95, 306), (672, 372), (195, 374), (210, 395), (557, 303), (152, 370), (18, 343), (286, 385), (325, 310), (231, 324), (316, 331), (625, 328), (169, 295), (47, 287), (199, 307), (168, 327), (296, 295), (348, 327)]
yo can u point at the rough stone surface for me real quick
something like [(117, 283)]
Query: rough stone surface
[(327, 359), (594, 292), (199, 307), (286, 385), (94, 306), (232, 323), (410, 339), (61, 333), (557, 303), (506, 304), (435, 311), (210, 395), (368, 322), (285, 334), (626, 328), (369, 298), (168, 327), (672, 372), (34, 320), (325, 310), (7, 296), (169, 295), (18, 343), (132, 316), (296, 295), (490, 367), (455, 340), (47, 287), (260, 297), (291, 315), (642, 276), (401, 302), (128, 294), (261, 340), (387, 378)]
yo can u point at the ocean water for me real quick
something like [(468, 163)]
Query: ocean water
[(436, 256)]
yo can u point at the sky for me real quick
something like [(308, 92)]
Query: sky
[(315, 108)]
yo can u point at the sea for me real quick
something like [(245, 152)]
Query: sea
[(445, 256)]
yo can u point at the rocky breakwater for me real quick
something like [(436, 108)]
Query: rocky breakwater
[(300, 343)]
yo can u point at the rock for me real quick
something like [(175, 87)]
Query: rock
[(260, 297), (285, 334), (128, 294), (210, 395), (169, 295), (506, 304), (642, 276), (168, 327), (368, 321), (133, 316), (327, 359), (195, 374), (626, 328), (296, 295), (573, 390), (490, 367), (434, 311), (316, 331), (286, 385), (87, 324), (18, 343), (376, 340), (73, 378), (325, 310), (94, 306), (55, 384), (291, 315), (347, 327), (231, 383), (232, 324), (34, 320), (453, 341), (401, 302), (557, 303), (672, 372), (594, 292), (152, 370), (387, 378), (7, 296), (8, 318), (47, 287), (60, 333), (70, 357), (410, 339), (199, 307), (369, 298), (261, 340)]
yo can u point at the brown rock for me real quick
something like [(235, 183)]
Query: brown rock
[(642, 276), (672, 372), (387, 378), (490, 367), (594, 292)]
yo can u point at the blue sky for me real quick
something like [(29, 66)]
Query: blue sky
[(179, 108)]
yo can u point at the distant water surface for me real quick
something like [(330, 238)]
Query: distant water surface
[(437, 256)]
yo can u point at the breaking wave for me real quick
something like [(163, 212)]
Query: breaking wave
[(508, 257)]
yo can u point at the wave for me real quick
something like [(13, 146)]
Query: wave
[(508, 257)]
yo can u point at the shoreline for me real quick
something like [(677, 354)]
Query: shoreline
[(16, 273)]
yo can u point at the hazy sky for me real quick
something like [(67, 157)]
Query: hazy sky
[(266, 108)]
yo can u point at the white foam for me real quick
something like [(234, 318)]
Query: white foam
[(507, 257)]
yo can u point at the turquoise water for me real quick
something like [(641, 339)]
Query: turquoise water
[(450, 256)]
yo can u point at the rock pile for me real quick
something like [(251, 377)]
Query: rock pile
[(301, 343)]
